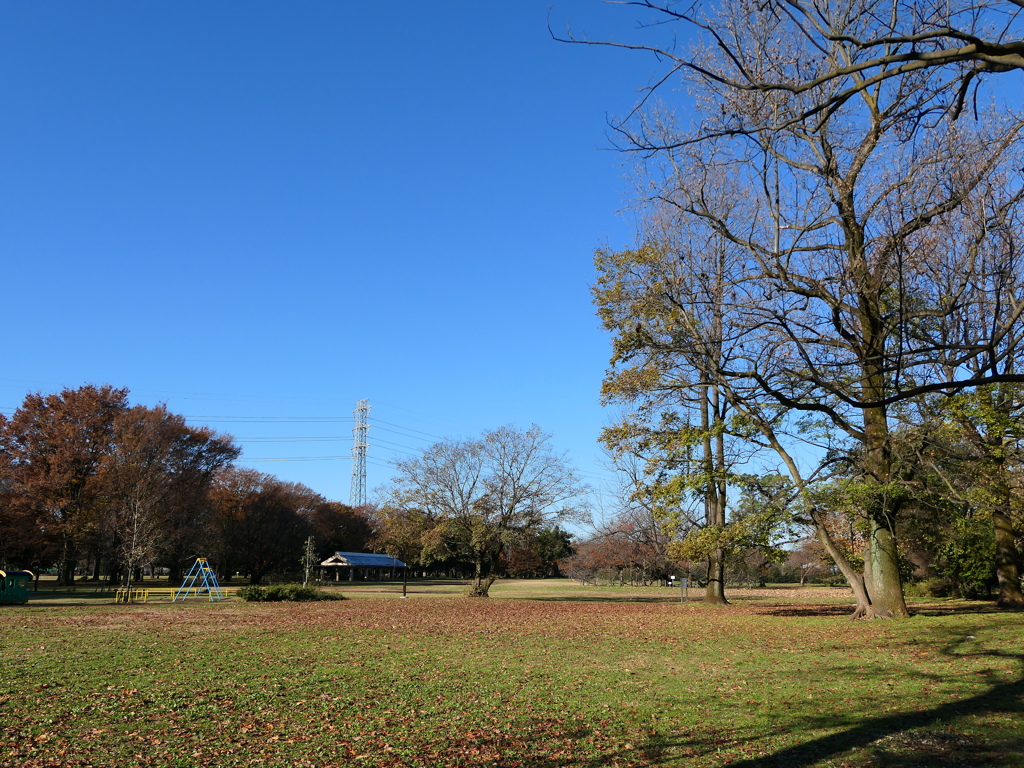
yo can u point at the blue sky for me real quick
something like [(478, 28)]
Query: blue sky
[(272, 210)]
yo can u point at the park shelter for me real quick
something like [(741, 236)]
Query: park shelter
[(368, 566)]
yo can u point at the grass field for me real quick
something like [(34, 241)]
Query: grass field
[(545, 674)]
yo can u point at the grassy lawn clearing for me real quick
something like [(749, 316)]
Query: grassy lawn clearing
[(573, 677)]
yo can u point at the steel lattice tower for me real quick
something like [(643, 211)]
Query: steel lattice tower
[(357, 488)]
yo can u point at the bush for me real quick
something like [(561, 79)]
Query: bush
[(933, 586), (291, 593), (252, 594)]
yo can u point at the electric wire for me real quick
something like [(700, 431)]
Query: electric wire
[(296, 458), (410, 429)]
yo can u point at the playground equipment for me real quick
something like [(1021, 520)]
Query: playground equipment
[(14, 586), (201, 580)]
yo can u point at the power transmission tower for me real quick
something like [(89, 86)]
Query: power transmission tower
[(357, 488)]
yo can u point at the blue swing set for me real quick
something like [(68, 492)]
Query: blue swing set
[(201, 580)]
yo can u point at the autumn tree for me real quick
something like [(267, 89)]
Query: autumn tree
[(259, 522), (22, 542), (156, 466), (676, 446), (603, 554), (663, 302), (486, 492), (54, 446), (537, 553), (402, 533), (808, 559), (338, 527)]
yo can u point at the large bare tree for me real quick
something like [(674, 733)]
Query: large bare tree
[(876, 256), (854, 46), (489, 491)]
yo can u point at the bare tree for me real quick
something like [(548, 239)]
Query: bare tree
[(855, 46), (872, 263), (488, 491), (643, 519)]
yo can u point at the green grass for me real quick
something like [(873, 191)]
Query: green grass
[(570, 677)]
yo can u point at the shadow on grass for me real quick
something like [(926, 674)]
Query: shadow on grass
[(805, 610), (605, 599), (55, 596), (939, 609), (923, 739)]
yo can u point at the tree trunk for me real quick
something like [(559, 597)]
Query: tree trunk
[(855, 579), (1007, 563), (886, 590), (714, 592), (715, 498), (66, 567), (482, 584), (881, 560)]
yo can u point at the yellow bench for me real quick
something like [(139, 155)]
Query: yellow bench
[(137, 594)]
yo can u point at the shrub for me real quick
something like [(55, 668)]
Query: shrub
[(292, 593), (252, 594), (933, 586)]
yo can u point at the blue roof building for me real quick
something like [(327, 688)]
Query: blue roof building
[(364, 560)]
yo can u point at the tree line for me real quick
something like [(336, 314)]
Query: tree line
[(93, 485), (97, 488)]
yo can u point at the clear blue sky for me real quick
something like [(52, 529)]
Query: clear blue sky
[(274, 209)]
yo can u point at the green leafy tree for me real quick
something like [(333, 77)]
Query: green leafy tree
[(966, 463), (551, 545)]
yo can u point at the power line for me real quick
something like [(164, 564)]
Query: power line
[(396, 432), (410, 429), (411, 451), (310, 439), (271, 419), (297, 458)]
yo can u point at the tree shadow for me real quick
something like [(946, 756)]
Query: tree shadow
[(940, 609), (805, 610), (924, 739), (929, 738), (606, 599)]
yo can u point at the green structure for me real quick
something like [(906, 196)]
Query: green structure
[(14, 586)]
